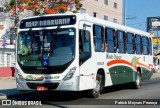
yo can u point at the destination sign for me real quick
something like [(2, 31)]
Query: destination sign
[(47, 21)]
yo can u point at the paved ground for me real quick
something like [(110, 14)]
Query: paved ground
[(8, 86)]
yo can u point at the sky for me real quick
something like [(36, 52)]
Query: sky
[(139, 10)]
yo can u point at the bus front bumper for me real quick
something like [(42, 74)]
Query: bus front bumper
[(68, 85)]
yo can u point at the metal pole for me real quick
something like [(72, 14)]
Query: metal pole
[(125, 11), (15, 13), (16, 17)]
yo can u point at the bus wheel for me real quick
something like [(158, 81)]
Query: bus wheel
[(95, 93), (137, 83)]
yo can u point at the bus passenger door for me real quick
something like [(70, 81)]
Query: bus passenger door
[(85, 60)]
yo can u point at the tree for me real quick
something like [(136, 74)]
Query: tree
[(39, 7)]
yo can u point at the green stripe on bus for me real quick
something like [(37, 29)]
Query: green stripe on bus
[(125, 74)]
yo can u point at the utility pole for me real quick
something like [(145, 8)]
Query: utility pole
[(125, 11), (16, 16)]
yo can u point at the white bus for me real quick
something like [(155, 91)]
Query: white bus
[(77, 52)]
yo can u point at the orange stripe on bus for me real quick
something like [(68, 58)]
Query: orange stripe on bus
[(118, 61), (125, 62)]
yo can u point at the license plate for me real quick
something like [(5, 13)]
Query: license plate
[(41, 88)]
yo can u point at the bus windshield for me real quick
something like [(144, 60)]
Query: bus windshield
[(46, 48)]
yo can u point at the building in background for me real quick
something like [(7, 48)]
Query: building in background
[(110, 10), (7, 43)]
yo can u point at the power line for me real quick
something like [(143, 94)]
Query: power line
[(138, 23)]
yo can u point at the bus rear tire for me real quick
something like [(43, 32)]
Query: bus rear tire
[(95, 93), (137, 83)]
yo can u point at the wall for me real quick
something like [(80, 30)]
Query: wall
[(102, 9)]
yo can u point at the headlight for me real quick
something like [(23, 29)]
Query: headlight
[(18, 74), (70, 74)]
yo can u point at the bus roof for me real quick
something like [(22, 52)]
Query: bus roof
[(114, 25), (94, 20)]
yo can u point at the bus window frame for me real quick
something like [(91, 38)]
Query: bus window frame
[(114, 39)]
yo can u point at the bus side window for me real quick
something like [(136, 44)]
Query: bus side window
[(145, 46), (134, 46), (130, 43), (147, 42), (98, 38), (110, 40), (121, 42), (115, 40), (150, 46), (138, 44)]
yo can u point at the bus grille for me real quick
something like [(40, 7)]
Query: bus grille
[(48, 85)]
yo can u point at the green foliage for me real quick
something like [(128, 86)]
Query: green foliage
[(39, 7), (36, 13), (7, 7), (12, 3)]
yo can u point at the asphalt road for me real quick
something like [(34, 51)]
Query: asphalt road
[(149, 92)]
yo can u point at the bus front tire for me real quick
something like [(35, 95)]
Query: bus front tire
[(95, 93)]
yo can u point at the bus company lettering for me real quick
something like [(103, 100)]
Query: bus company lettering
[(113, 56)]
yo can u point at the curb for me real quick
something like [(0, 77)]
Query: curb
[(7, 78)]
